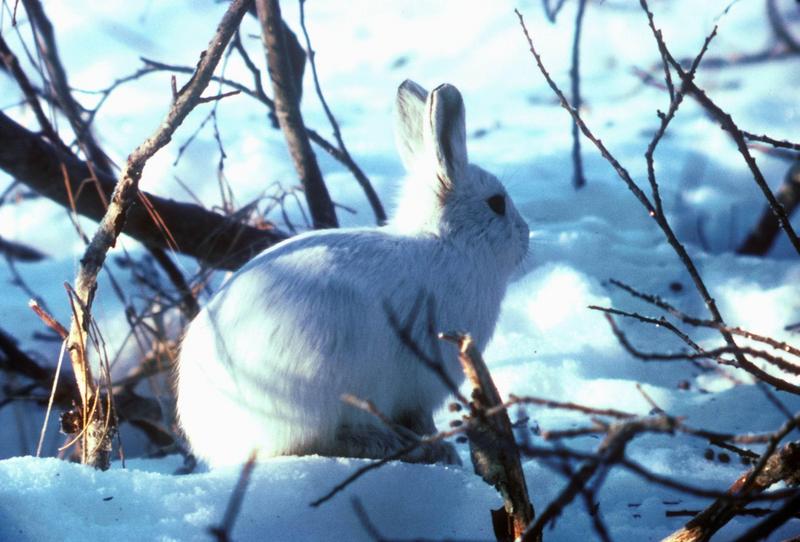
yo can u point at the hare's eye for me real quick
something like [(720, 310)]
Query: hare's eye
[(497, 203)]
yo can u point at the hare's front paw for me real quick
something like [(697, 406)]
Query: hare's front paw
[(378, 443)]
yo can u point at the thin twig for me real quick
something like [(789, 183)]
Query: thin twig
[(361, 178), (528, 400), (48, 49), (763, 235), (404, 332), (370, 408), (660, 219), (217, 240), (779, 27), (658, 322), (365, 521), (578, 179), (224, 530), (361, 471), (676, 98), (727, 123), (741, 361), (647, 475), (257, 94), (49, 321), (699, 322), (51, 398), (777, 143), (551, 12), (610, 451), (217, 97), (31, 97)]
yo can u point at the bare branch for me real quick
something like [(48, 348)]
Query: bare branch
[(218, 97), (124, 195), (741, 361), (365, 521), (17, 361), (12, 65), (57, 78), (257, 94), (219, 241), (726, 123), (610, 451), (625, 176), (777, 143), (551, 12), (361, 471), (699, 322), (14, 251), (48, 320), (659, 217), (676, 98), (515, 400), (781, 466), (370, 408), (404, 333)]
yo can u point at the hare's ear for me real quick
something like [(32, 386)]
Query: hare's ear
[(445, 134), (410, 108)]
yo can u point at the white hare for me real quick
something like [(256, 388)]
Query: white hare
[(265, 364)]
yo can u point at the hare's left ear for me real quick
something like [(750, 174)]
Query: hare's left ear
[(445, 134), (409, 110)]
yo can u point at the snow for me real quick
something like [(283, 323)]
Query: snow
[(547, 343), (141, 503)]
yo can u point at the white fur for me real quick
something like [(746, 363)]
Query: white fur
[(265, 364)]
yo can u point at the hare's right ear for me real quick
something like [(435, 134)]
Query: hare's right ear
[(410, 108), (445, 134)]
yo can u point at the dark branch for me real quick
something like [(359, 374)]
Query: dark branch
[(287, 108), (766, 231), (211, 238)]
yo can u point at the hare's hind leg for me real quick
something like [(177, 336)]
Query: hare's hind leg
[(379, 442), (370, 441), (421, 425)]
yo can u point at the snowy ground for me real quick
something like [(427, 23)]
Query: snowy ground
[(547, 344)]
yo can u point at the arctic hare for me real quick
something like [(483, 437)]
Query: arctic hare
[(265, 364)]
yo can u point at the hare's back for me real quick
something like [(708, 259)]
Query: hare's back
[(345, 262), (322, 293)]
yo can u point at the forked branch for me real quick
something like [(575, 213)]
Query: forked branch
[(126, 192)]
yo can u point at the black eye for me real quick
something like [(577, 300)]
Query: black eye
[(497, 203)]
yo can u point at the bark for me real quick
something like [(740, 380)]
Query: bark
[(493, 449)]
